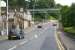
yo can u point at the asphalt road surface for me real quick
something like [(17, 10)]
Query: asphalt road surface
[(40, 39)]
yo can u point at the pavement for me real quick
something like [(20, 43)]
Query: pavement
[(67, 41), (3, 37), (35, 39), (28, 29)]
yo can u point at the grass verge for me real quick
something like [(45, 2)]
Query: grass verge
[(70, 31)]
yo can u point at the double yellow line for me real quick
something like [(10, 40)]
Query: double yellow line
[(61, 47)]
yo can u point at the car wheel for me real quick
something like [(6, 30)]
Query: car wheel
[(9, 38), (18, 37), (22, 37)]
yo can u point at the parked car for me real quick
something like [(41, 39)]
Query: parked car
[(15, 34), (39, 26), (54, 24)]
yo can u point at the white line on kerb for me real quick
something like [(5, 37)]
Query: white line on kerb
[(59, 43)]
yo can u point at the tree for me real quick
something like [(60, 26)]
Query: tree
[(45, 4), (65, 16), (72, 14), (12, 3), (16, 3), (68, 15), (38, 4), (58, 6)]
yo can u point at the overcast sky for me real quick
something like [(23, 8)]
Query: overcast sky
[(65, 2)]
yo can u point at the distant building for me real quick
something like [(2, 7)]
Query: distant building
[(20, 19)]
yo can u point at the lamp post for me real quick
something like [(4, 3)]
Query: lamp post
[(7, 17)]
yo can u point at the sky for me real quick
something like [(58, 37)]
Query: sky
[(2, 4), (62, 2), (65, 2)]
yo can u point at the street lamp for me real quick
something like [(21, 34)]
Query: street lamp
[(7, 17)]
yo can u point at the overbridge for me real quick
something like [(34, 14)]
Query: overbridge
[(52, 10)]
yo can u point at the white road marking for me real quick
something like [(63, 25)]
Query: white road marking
[(18, 45), (12, 48), (23, 42), (32, 38), (36, 36), (43, 31)]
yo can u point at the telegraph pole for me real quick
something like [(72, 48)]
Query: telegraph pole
[(0, 7), (33, 10), (7, 17)]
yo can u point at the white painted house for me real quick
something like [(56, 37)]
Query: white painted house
[(28, 19)]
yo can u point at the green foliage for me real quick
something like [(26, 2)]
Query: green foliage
[(65, 16), (39, 17), (45, 4), (51, 18), (70, 31), (68, 15), (72, 14), (58, 6), (32, 4), (16, 3), (38, 4), (68, 19)]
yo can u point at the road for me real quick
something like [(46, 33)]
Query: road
[(37, 39)]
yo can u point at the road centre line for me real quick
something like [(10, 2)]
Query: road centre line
[(36, 36)]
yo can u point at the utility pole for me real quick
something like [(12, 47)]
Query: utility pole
[(7, 17), (33, 11), (0, 11), (60, 19), (0, 7)]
